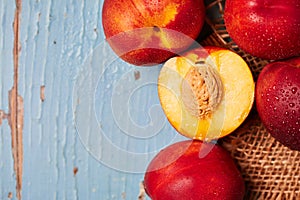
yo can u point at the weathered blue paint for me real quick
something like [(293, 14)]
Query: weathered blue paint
[(7, 181), (57, 37)]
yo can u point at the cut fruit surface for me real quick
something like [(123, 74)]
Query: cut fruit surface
[(206, 93)]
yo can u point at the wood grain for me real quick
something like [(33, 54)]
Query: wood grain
[(16, 110), (56, 40), (11, 133)]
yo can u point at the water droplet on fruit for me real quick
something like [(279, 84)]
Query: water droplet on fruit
[(277, 98), (291, 105), (274, 108), (286, 113), (294, 90), (289, 84), (270, 106)]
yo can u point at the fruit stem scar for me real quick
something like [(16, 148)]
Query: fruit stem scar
[(202, 90)]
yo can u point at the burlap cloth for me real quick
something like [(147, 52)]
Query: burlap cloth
[(270, 170)]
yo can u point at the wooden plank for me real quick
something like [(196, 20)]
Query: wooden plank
[(7, 180), (57, 40)]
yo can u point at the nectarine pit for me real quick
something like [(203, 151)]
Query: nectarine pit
[(202, 90)]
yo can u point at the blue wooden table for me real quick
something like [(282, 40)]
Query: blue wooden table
[(76, 121)]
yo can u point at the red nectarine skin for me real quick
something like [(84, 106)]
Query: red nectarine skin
[(153, 45), (278, 101), (193, 170), (269, 29)]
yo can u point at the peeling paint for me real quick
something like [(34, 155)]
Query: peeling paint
[(123, 195), (16, 118), (10, 195), (142, 194), (75, 170), (3, 116), (42, 93), (137, 75), (16, 108)]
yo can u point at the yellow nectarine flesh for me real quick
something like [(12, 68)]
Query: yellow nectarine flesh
[(206, 93)]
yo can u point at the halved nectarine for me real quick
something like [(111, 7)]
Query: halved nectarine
[(206, 93)]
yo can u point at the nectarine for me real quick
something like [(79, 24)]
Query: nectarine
[(278, 101), (147, 32), (206, 93), (265, 28), (193, 170)]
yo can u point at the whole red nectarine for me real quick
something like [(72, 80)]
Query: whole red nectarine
[(269, 29), (193, 170), (148, 32), (278, 101)]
